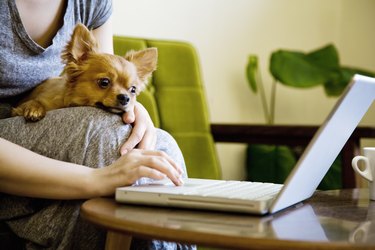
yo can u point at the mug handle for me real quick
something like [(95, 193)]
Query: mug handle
[(366, 172)]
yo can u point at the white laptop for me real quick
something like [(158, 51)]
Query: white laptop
[(265, 198)]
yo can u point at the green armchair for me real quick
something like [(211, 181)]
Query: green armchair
[(176, 102)]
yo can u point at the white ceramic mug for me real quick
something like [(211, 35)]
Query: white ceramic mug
[(368, 168)]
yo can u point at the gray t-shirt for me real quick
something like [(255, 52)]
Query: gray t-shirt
[(23, 63)]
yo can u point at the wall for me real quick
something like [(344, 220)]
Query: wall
[(225, 32)]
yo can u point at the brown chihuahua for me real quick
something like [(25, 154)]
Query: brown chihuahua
[(91, 78)]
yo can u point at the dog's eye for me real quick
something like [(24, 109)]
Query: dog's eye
[(104, 82), (133, 89)]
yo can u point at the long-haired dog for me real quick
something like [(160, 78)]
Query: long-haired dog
[(91, 78)]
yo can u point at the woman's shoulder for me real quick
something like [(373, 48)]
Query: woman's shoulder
[(93, 13)]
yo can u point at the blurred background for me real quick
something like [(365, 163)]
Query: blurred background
[(226, 32)]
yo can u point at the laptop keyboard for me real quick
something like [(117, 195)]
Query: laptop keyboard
[(238, 190)]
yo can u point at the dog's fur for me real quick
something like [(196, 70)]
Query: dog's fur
[(91, 78)]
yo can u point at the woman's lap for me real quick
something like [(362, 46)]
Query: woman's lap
[(86, 136), (82, 135)]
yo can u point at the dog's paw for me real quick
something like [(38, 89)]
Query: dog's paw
[(32, 111), (34, 114)]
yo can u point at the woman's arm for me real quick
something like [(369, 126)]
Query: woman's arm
[(25, 173), (104, 36)]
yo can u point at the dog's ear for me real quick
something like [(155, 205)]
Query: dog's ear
[(145, 61), (81, 43)]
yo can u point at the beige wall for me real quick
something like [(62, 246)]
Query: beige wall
[(225, 32)]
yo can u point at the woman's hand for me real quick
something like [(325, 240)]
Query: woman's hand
[(143, 134), (132, 166)]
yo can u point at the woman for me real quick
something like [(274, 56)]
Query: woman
[(47, 168)]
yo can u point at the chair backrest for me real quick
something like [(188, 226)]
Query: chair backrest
[(176, 101)]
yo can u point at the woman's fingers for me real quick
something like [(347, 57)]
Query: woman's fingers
[(152, 164), (128, 117), (161, 162), (142, 171), (135, 137), (143, 134), (149, 139), (162, 156)]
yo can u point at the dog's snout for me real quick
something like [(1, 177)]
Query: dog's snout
[(123, 99)]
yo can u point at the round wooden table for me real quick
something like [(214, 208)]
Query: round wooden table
[(340, 219)]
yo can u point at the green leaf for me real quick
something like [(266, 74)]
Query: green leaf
[(340, 78), (333, 180), (361, 71), (326, 57), (269, 163), (251, 71), (292, 69), (302, 70), (338, 81)]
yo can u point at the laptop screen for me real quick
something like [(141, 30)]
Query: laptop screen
[(327, 142)]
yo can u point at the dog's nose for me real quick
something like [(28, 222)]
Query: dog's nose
[(123, 99)]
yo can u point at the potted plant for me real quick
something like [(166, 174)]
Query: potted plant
[(300, 70)]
